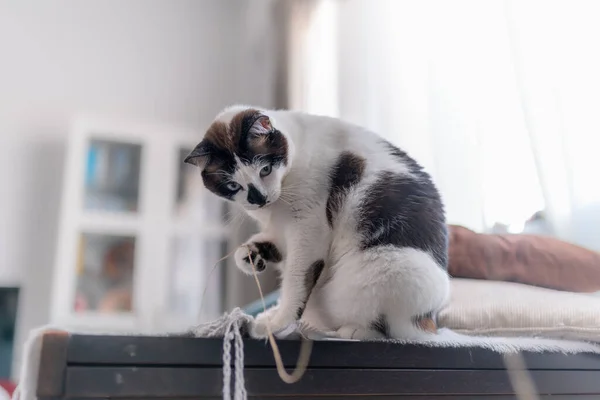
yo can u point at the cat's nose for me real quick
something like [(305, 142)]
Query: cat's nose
[(255, 196)]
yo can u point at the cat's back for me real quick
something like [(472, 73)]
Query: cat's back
[(324, 140), (385, 196)]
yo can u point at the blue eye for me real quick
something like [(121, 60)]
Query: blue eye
[(233, 186), (266, 170)]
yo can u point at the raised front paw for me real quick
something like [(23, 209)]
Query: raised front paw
[(246, 255), (272, 319), (257, 254)]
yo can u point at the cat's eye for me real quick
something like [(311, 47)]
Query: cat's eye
[(266, 170), (233, 186)]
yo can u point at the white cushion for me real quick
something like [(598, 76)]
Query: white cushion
[(491, 308)]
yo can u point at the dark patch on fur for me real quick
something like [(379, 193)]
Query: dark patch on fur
[(310, 280), (381, 325), (326, 277), (313, 274), (429, 315), (222, 142), (218, 134), (268, 251), (255, 196), (346, 173), (404, 158), (426, 322), (272, 147), (259, 264), (402, 211)]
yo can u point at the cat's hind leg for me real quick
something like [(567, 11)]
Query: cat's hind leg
[(418, 290), (385, 292)]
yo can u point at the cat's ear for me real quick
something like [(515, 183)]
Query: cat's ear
[(261, 126), (199, 156)]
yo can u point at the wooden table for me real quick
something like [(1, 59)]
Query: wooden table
[(177, 368)]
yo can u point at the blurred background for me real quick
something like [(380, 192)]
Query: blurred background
[(103, 228)]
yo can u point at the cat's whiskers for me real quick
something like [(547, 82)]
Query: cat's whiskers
[(217, 173), (297, 199), (287, 191), (291, 191), (258, 159), (237, 225), (232, 219), (304, 185), (299, 183), (291, 194), (236, 220), (292, 199), (284, 200)]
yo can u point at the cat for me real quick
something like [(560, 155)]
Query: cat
[(354, 225)]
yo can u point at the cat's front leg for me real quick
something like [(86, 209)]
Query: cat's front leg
[(259, 250), (305, 260)]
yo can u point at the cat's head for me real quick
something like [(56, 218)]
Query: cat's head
[(243, 157)]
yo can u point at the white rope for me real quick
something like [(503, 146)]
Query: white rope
[(227, 362), (240, 386), (232, 332), (230, 327), (232, 324)]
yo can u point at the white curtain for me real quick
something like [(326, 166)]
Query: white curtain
[(499, 100)]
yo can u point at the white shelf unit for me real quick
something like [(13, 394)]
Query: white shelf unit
[(174, 244)]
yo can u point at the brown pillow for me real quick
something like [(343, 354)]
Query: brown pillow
[(534, 260)]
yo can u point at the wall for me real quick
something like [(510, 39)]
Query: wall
[(173, 61)]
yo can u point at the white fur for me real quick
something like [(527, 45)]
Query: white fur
[(359, 285)]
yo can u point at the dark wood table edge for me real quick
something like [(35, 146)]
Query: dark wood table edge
[(53, 364), (61, 349), (181, 351)]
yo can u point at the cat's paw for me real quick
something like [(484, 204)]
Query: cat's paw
[(272, 319), (248, 254)]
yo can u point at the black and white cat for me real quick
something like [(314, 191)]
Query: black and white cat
[(355, 226)]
